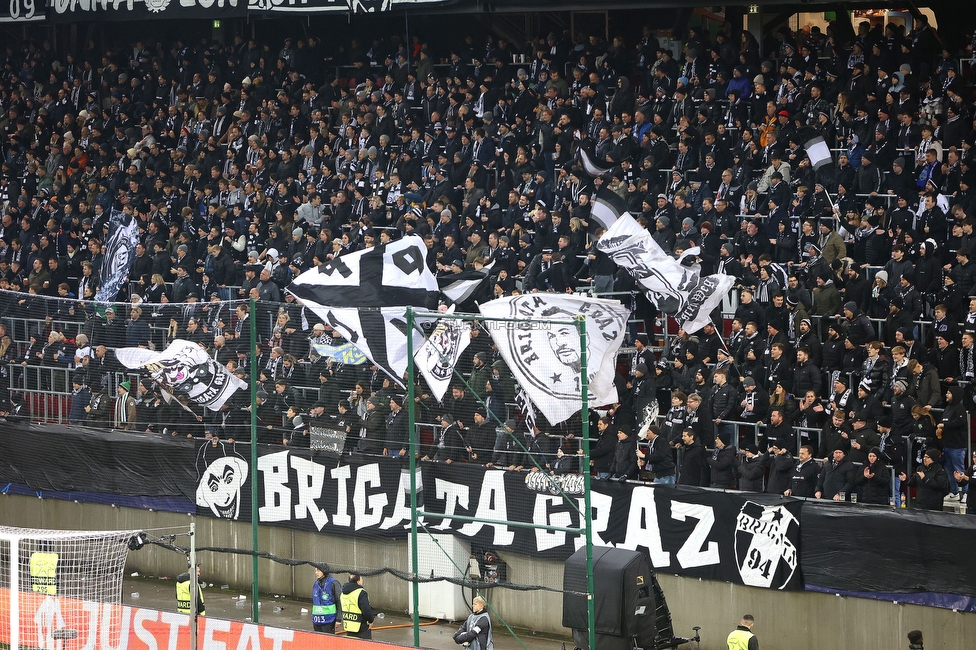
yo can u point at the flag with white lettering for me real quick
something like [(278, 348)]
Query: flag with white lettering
[(676, 289), (390, 275), (184, 368), (546, 358), (440, 353), (524, 405)]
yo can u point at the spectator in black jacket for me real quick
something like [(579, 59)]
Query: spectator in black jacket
[(752, 469), (954, 431), (625, 455), (692, 459), (779, 431), (657, 457), (601, 455), (930, 480), (837, 478), (722, 463), (699, 420), (806, 376), (780, 470), (723, 401), (874, 480), (803, 483)]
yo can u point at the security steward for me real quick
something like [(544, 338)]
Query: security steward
[(742, 638), (183, 594), (44, 572), (326, 594), (357, 613)]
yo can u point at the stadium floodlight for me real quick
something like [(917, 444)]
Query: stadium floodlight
[(56, 584)]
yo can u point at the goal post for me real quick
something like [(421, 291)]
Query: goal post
[(54, 585)]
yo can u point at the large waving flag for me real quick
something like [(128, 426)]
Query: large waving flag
[(184, 368), (364, 296), (120, 252), (677, 290), (394, 274), (546, 359)]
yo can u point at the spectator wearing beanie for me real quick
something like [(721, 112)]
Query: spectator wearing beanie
[(930, 480)]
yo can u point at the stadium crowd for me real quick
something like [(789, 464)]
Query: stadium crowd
[(246, 163)]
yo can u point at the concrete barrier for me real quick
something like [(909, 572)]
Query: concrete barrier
[(793, 620)]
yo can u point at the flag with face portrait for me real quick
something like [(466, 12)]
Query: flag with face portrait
[(546, 357), (437, 357)]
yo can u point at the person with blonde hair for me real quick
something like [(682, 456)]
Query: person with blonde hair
[(475, 632)]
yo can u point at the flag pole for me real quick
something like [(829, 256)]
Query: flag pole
[(585, 470), (414, 450), (253, 329)]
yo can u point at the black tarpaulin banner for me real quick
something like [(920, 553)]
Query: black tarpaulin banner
[(880, 550), (68, 458)]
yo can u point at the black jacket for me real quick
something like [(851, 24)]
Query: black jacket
[(751, 472), (692, 464), (603, 453), (876, 489), (803, 483), (625, 458), (932, 486), (780, 473), (658, 457), (723, 463), (836, 478)]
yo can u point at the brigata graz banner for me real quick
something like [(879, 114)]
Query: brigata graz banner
[(735, 538), (754, 539)]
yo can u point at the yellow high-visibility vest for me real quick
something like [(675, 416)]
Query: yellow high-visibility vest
[(352, 616)]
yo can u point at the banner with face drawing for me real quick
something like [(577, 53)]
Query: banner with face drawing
[(546, 357), (184, 369)]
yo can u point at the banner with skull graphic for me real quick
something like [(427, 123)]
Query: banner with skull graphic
[(184, 369), (120, 252)]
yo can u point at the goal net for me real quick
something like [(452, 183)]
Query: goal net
[(58, 587)]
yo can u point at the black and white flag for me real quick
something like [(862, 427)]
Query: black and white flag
[(545, 358), (524, 405), (440, 353), (461, 288), (184, 368), (120, 252), (606, 209), (590, 166), (819, 152), (391, 275), (677, 290), (364, 296), (379, 333)]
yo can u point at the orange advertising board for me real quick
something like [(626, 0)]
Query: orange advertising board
[(45, 620)]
